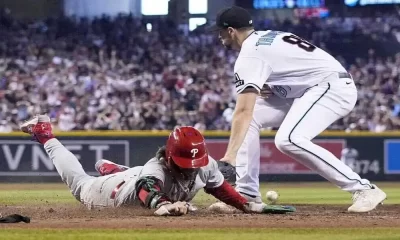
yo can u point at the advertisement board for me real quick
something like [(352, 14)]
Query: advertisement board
[(392, 156), (27, 158), (274, 161), (353, 3), (372, 156)]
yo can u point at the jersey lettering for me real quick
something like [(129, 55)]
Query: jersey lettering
[(301, 43), (268, 38), (194, 151), (238, 81), (281, 91), (289, 64)]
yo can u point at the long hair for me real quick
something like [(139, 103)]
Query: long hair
[(160, 154)]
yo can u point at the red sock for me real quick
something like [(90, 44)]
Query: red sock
[(42, 132), (43, 139)]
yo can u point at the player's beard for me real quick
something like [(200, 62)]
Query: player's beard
[(182, 173), (228, 46)]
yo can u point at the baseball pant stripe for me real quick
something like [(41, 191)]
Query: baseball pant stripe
[(329, 86)]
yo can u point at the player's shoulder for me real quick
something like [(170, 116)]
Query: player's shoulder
[(262, 38), (212, 164), (154, 168), (260, 44), (208, 171), (249, 45), (155, 163)]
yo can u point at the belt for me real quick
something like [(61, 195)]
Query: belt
[(116, 189), (345, 75)]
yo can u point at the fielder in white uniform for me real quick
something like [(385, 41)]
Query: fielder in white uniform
[(284, 81), (167, 182)]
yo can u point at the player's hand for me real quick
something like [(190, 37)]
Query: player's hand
[(266, 92), (191, 207), (228, 159), (175, 209)]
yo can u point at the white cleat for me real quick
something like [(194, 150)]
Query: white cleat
[(27, 126), (367, 200), (39, 127)]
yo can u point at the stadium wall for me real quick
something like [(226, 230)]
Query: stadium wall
[(375, 156)]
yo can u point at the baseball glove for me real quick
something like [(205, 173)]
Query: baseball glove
[(14, 218), (228, 171)]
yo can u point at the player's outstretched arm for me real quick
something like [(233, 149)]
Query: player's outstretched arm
[(228, 195), (218, 187), (251, 72), (240, 123), (149, 193), (223, 191)]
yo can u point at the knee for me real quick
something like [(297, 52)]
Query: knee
[(289, 143), (282, 142)]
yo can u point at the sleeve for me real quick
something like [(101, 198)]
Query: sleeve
[(215, 178), (149, 186), (251, 72), (149, 192), (153, 168)]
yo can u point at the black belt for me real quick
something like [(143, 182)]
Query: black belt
[(345, 75)]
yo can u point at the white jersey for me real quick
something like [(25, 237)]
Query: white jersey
[(208, 177), (286, 63)]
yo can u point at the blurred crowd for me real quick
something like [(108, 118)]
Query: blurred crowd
[(119, 74)]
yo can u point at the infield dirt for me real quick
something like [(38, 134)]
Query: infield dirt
[(307, 216)]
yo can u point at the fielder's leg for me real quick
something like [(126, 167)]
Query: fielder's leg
[(267, 113), (309, 116)]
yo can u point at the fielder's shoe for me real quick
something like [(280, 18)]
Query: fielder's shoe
[(105, 167), (367, 200), (39, 127)]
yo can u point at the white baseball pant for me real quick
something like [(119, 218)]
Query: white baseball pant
[(92, 191), (301, 120)]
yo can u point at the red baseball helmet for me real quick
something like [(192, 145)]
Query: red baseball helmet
[(186, 147)]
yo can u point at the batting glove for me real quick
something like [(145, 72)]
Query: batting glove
[(176, 209)]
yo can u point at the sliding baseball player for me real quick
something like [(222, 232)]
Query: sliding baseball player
[(166, 183)]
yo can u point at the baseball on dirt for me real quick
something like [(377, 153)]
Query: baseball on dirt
[(272, 196)]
